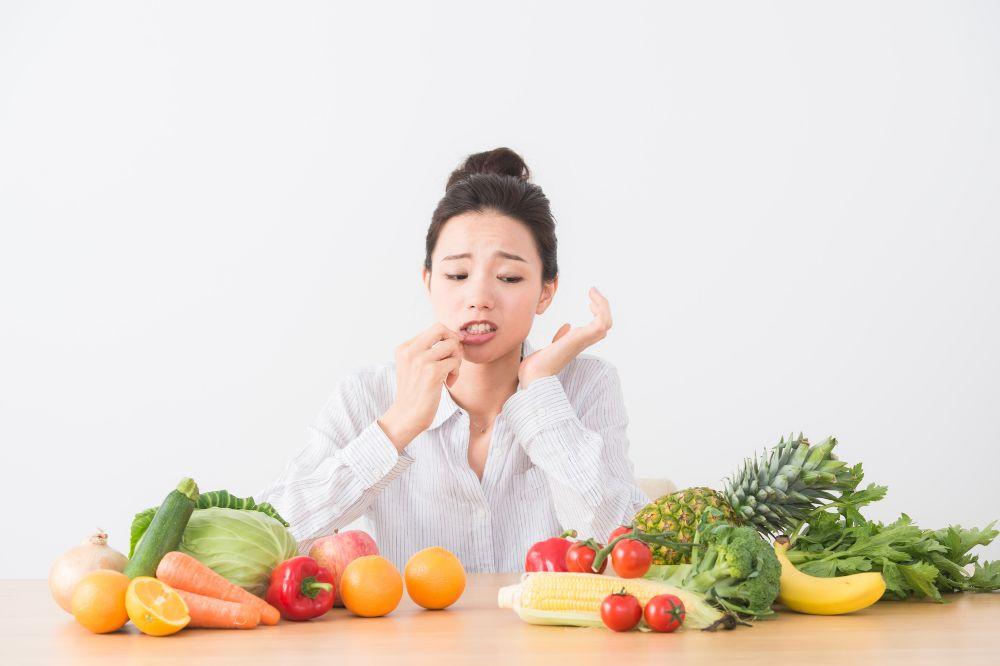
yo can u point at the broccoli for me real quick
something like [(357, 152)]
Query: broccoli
[(732, 566)]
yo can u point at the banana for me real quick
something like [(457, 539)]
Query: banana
[(825, 596)]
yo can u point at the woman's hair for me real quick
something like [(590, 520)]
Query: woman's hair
[(497, 180)]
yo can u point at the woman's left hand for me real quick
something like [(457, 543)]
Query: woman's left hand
[(567, 343)]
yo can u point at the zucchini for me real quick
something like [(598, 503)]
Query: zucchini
[(164, 532)]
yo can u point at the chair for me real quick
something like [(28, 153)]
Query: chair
[(656, 488)]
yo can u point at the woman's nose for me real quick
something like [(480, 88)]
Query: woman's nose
[(480, 294)]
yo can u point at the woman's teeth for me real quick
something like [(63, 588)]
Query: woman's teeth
[(477, 329)]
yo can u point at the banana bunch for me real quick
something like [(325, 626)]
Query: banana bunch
[(825, 596)]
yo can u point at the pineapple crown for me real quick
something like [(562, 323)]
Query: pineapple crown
[(782, 486)]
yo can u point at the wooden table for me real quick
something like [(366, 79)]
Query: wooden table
[(33, 630)]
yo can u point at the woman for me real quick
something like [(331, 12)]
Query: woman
[(471, 440)]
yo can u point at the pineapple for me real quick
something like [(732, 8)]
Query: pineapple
[(771, 493)]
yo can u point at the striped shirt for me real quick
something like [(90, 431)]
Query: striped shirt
[(557, 460)]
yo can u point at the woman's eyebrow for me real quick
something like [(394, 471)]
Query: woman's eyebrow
[(498, 253)]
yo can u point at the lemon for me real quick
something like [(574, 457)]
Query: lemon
[(154, 607)]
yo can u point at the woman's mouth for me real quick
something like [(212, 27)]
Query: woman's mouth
[(477, 333)]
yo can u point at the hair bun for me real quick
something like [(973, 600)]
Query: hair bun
[(502, 161)]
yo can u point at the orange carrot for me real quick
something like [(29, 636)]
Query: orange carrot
[(218, 614), (182, 572)]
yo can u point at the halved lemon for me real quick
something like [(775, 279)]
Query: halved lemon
[(155, 608)]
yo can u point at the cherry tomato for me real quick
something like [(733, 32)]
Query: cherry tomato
[(620, 530), (631, 558), (580, 558), (664, 612), (620, 611)]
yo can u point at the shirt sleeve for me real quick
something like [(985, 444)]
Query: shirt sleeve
[(347, 461), (584, 455)]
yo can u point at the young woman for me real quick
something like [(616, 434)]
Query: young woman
[(471, 440)]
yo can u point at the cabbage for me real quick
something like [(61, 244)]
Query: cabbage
[(242, 546)]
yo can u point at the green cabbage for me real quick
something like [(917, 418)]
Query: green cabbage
[(242, 546)]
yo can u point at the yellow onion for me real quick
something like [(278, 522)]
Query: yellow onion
[(94, 553)]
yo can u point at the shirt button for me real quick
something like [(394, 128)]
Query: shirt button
[(480, 513), (541, 411)]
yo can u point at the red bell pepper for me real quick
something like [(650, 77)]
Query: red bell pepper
[(549, 555), (301, 589)]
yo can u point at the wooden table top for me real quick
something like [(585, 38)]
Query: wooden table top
[(34, 630)]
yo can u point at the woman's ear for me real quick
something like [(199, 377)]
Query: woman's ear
[(548, 291), (425, 275)]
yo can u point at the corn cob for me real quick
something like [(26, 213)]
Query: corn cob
[(574, 599)]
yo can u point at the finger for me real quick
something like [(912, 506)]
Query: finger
[(449, 369), (600, 307), (433, 334), (563, 330), (597, 295), (601, 314), (442, 349), (452, 377)]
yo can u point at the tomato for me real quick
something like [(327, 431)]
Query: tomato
[(664, 612), (620, 611), (620, 530), (580, 558), (631, 558)]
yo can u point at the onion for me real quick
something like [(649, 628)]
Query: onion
[(93, 553)]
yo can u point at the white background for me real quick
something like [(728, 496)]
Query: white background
[(210, 211)]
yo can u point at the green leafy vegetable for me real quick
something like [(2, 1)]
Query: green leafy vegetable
[(214, 498), (914, 562), (242, 546)]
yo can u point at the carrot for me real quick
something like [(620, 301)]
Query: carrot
[(218, 614), (182, 572)]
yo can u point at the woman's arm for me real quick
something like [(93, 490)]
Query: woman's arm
[(585, 455), (347, 461)]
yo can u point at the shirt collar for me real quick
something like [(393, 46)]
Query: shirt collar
[(447, 406)]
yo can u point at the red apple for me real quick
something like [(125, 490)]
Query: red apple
[(339, 549)]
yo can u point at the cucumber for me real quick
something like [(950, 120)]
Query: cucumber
[(164, 533)]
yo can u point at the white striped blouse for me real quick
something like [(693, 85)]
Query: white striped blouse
[(557, 460)]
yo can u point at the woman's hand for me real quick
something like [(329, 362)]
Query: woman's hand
[(423, 365), (567, 343)]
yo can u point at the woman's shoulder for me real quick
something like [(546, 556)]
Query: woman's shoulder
[(585, 373)]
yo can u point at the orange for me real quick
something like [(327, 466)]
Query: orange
[(371, 587), (155, 608), (435, 578), (98, 601)]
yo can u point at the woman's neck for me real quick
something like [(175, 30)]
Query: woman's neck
[(482, 388)]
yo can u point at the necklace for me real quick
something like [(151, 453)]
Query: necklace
[(481, 430)]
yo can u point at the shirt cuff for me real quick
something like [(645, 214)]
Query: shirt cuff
[(372, 456), (542, 404)]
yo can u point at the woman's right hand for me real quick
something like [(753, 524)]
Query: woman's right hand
[(423, 365)]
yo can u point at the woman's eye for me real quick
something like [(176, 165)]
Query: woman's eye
[(509, 279)]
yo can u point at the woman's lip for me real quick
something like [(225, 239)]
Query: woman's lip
[(478, 338)]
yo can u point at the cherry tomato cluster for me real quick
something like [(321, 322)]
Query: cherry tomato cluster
[(622, 612), (581, 555), (630, 557)]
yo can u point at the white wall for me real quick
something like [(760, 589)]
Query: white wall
[(212, 210)]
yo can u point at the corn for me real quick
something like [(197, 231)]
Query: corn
[(574, 599)]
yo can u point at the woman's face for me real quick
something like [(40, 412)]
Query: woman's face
[(486, 267)]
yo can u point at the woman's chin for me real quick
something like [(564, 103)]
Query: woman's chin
[(488, 351)]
